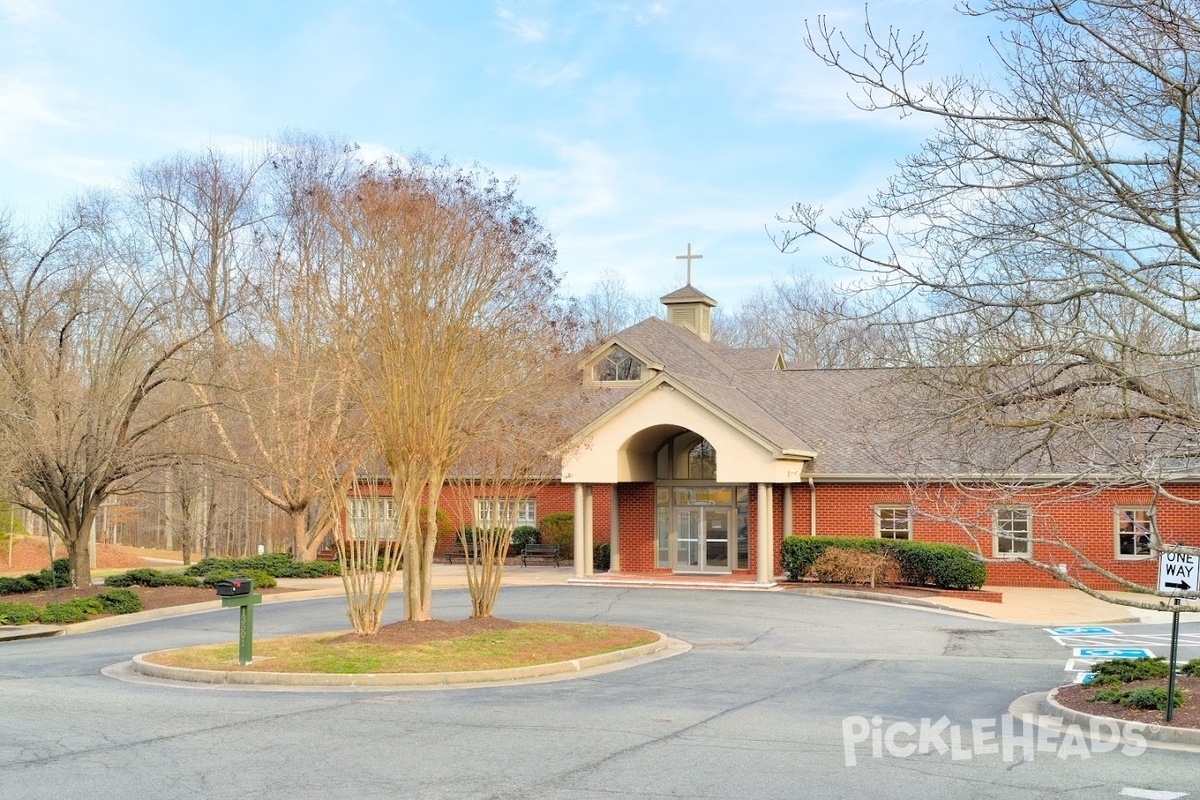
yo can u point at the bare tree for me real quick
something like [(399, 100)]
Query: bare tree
[(610, 307), (449, 295), (88, 349), (252, 255), (813, 323), (1049, 232)]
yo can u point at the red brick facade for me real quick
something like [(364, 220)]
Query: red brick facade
[(1081, 517)]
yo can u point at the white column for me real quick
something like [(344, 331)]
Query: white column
[(588, 551), (577, 560), (614, 535), (787, 510), (766, 544)]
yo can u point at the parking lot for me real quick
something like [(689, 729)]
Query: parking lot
[(757, 708)]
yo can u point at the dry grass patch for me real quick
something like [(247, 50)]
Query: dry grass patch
[(500, 647)]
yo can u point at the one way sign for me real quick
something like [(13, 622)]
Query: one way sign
[(1178, 572)]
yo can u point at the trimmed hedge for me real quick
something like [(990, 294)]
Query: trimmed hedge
[(58, 574), (119, 601), (523, 535), (1143, 697), (258, 578), (112, 601), (1127, 670), (277, 565), (946, 566), (149, 577), (559, 529)]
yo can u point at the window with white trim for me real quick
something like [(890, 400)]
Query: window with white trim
[(1013, 531), (1134, 526), (513, 512), (893, 522), (364, 514), (617, 365)]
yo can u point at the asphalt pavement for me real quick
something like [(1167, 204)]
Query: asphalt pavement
[(781, 695)]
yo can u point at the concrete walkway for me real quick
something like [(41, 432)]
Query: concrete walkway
[(1041, 607)]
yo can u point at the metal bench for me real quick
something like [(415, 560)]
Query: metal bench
[(456, 550), (549, 551)]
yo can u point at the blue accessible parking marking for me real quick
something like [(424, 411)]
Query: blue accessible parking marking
[(1082, 630), (1112, 652)]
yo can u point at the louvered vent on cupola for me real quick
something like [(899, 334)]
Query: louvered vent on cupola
[(690, 308)]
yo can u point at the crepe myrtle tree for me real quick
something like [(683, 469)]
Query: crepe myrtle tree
[(508, 460), (90, 367), (447, 296), (1048, 232)]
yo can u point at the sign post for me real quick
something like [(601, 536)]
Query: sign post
[(1178, 573)]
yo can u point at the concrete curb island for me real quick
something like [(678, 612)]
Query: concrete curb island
[(663, 647), (1048, 713)]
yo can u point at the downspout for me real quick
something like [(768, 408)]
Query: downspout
[(812, 507)]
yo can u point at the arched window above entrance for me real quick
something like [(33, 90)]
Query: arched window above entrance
[(702, 462), (687, 456)]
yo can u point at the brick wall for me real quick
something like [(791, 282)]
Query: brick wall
[(1080, 517)]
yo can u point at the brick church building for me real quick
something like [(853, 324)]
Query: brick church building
[(688, 440)]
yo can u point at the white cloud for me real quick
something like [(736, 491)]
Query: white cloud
[(526, 29), (26, 13)]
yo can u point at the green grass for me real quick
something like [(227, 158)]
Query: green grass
[(525, 645)]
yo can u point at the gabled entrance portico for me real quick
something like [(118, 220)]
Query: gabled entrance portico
[(686, 493)]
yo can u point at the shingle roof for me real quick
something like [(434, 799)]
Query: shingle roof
[(685, 294)]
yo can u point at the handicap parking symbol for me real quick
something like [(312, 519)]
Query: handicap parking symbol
[(1082, 630), (1112, 652)]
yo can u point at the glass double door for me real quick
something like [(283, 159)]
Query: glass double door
[(702, 536)]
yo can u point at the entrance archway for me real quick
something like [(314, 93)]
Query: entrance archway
[(701, 526)]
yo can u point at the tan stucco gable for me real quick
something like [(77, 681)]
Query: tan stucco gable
[(619, 446)]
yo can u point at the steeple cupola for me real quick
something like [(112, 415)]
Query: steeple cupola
[(689, 307)]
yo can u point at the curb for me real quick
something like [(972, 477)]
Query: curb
[(402, 679), (895, 599), (10, 633), (905, 600), (1152, 731)]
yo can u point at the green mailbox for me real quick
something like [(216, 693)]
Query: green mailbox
[(238, 593)]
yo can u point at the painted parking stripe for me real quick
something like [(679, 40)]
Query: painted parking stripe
[(1113, 652), (1151, 794), (1082, 630), (1084, 677)]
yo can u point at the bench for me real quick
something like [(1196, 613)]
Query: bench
[(549, 551), (456, 550)]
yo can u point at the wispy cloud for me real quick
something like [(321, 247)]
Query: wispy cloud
[(527, 29)]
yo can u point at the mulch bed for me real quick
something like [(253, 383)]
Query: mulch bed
[(1076, 696), (152, 597), (408, 633)]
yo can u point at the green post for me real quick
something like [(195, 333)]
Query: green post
[(246, 603)]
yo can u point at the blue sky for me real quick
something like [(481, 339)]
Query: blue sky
[(633, 127)]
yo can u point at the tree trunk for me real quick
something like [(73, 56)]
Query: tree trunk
[(80, 560), (300, 534)]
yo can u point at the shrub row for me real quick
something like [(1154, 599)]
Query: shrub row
[(58, 574), (111, 601), (150, 577), (1127, 670), (946, 566), (1144, 697), (277, 565)]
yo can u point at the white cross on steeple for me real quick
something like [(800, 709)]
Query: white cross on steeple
[(689, 258)]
